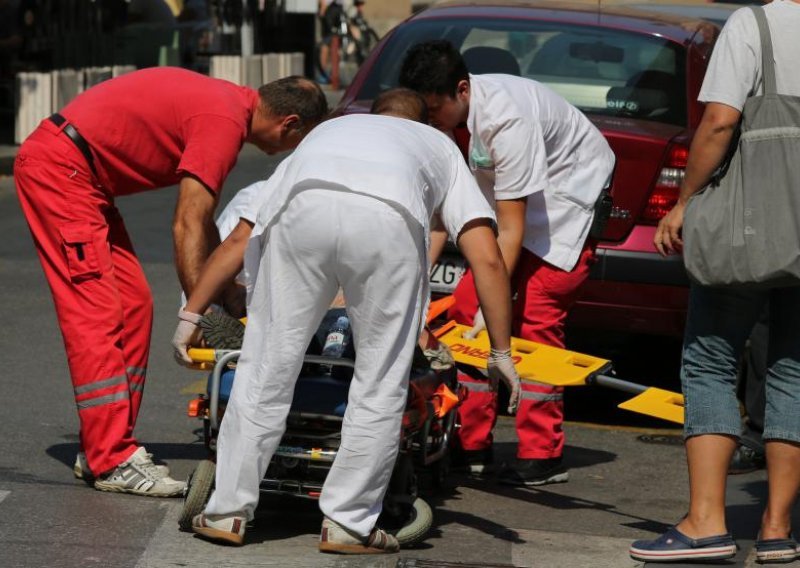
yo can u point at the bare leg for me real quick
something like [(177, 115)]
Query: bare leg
[(324, 58), (783, 473), (708, 457)]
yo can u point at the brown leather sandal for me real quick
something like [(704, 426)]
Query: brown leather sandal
[(336, 539)]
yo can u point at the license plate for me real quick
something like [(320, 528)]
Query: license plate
[(446, 273)]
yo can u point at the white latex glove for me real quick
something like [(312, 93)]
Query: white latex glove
[(478, 325), (186, 334), (501, 368)]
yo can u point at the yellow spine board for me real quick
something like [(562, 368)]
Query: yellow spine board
[(534, 361), (658, 403)]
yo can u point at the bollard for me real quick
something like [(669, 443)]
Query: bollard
[(298, 63), (67, 84), (34, 102), (271, 67), (252, 68)]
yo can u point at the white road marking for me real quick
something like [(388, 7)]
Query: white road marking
[(4, 494)]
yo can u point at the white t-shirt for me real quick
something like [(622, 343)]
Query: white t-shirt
[(411, 166), (734, 72), (243, 205), (528, 141), (404, 163)]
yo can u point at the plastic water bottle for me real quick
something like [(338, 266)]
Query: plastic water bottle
[(336, 341)]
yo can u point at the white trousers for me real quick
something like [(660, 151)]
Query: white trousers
[(325, 239)]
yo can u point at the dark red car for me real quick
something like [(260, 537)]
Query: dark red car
[(636, 73)]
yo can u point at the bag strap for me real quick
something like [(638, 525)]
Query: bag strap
[(767, 58)]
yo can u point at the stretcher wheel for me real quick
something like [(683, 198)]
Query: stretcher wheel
[(418, 524), (198, 490)]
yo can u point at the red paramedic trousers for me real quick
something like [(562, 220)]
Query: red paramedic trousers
[(102, 299), (544, 296)]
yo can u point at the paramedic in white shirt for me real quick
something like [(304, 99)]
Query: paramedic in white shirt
[(351, 207), (543, 165)]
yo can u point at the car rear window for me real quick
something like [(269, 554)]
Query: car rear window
[(599, 70)]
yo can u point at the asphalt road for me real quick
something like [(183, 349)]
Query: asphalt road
[(621, 488)]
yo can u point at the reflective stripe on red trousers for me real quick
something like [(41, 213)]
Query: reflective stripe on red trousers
[(102, 300), (544, 295)]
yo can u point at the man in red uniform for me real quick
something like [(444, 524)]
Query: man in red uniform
[(543, 165), (142, 131)]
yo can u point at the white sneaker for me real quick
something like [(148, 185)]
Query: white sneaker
[(140, 476), (225, 529), (82, 471)]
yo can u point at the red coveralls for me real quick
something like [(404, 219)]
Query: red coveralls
[(544, 295), (146, 130)]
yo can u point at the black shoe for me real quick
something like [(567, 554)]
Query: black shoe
[(222, 331), (534, 472), (745, 459), (472, 462)]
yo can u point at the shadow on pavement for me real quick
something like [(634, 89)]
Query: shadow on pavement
[(537, 496), (575, 457), (744, 519)]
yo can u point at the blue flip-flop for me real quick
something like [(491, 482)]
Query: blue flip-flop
[(777, 550), (673, 545)]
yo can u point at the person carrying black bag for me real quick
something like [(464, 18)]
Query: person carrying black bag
[(741, 245)]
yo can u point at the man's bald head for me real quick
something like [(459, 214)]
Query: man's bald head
[(402, 103)]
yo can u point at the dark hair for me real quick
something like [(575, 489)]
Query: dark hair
[(433, 68), (295, 95), (401, 102)]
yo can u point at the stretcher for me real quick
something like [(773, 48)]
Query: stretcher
[(311, 440), (562, 368)]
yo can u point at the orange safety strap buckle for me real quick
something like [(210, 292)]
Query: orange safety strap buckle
[(197, 407), (444, 400)]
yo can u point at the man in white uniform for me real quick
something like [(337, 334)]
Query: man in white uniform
[(351, 207), (543, 165)]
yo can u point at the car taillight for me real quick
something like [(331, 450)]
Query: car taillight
[(664, 195)]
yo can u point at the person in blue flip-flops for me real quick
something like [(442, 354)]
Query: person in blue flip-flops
[(721, 318)]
